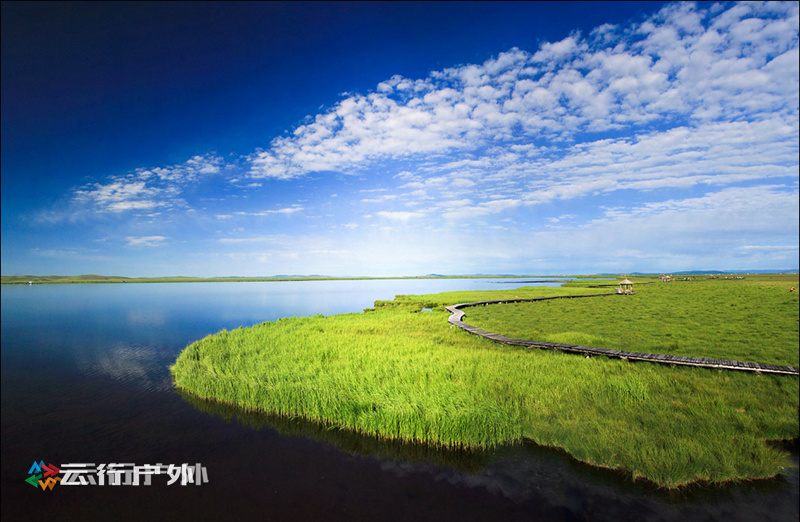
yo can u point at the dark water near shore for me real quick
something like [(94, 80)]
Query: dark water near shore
[(85, 380)]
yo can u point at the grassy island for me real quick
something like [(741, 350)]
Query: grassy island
[(401, 373)]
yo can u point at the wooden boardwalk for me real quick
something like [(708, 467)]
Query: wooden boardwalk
[(457, 314)]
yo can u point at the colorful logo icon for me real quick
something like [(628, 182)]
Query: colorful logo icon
[(44, 475)]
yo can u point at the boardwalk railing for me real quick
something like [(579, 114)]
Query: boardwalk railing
[(457, 314)]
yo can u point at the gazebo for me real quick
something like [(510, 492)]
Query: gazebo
[(625, 287)]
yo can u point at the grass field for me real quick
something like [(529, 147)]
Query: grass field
[(744, 320), (401, 374)]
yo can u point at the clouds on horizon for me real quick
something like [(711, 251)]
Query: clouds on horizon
[(698, 104)]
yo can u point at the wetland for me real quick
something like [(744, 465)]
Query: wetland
[(85, 379)]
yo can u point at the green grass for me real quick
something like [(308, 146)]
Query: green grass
[(751, 320), (465, 460), (396, 373)]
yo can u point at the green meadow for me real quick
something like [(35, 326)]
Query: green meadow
[(399, 373), (744, 320)]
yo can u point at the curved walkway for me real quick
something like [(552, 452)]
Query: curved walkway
[(458, 315)]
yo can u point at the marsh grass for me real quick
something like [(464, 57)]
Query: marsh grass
[(397, 374), (465, 460)]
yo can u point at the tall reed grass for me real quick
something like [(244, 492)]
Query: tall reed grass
[(400, 374)]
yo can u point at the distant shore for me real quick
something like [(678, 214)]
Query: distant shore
[(24, 280), (92, 278)]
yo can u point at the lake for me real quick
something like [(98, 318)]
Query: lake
[(85, 379)]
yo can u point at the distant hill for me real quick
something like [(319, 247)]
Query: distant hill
[(94, 278), (56, 278), (719, 272)]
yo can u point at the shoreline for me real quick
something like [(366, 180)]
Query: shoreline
[(24, 280), (394, 373)]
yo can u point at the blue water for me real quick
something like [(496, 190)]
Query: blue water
[(85, 379)]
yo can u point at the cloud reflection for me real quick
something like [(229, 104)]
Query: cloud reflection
[(139, 366)]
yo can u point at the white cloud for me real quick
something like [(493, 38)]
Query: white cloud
[(380, 199), (144, 189), (688, 90), (402, 216), (480, 209), (257, 239), (768, 248), (285, 211), (146, 241), (120, 206), (553, 52)]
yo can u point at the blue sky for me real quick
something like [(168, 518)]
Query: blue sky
[(398, 139)]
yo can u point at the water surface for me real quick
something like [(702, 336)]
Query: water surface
[(85, 379)]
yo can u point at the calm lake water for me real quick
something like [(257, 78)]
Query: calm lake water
[(85, 380)]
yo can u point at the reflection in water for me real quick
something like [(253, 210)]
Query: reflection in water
[(138, 365), (146, 317), (470, 461), (528, 473)]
